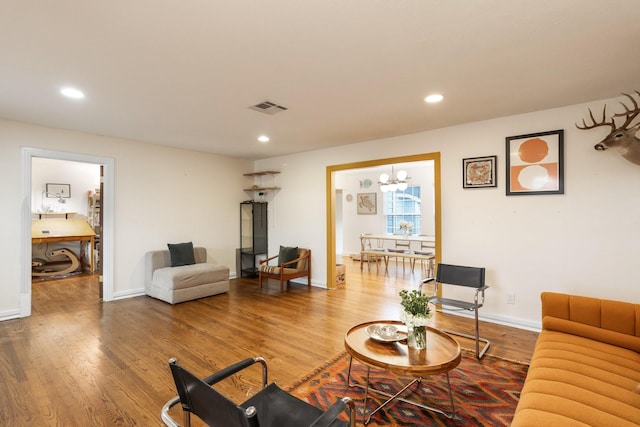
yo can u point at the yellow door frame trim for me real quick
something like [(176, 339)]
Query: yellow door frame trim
[(331, 203)]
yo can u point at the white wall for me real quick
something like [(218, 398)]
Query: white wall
[(584, 242), (82, 177), (161, 195), (354, 224)]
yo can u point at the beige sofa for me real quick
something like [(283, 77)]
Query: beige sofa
[(585, 369), (185, 282)]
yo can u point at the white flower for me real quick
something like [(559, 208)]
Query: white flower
[(405, 225), (410, 319)]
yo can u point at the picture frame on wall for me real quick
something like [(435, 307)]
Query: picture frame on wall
[(64, 190), (367, 203), (479, 172), (535, 163)]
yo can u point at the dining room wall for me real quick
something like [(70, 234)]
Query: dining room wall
[(365, 181)]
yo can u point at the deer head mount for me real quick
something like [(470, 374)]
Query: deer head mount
[(622, 138)]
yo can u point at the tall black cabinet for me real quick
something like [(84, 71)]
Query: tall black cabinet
[(253, 236)]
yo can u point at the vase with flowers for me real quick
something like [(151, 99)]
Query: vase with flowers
[(416, 315), (406, 227)]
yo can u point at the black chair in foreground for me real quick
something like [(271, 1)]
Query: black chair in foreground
[(269, 407), (472, 277)]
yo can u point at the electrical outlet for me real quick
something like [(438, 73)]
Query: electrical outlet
[(511, 298)]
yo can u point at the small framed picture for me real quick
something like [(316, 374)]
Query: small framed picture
[(58, 190), (535, 163), (479, 172), (367, 204)]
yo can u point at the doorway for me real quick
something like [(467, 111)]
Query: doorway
[(107, 196), (332, 203)]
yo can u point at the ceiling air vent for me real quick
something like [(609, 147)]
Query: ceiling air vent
[(268, 107)]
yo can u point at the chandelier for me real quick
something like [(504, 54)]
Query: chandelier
[(399, 183)]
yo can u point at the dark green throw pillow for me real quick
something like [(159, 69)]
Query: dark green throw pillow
[(181, 254), (287, 254)]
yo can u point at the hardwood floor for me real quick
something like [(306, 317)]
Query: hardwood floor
[(78, 361)]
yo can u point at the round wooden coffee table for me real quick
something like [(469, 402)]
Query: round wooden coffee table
[(441, 356)]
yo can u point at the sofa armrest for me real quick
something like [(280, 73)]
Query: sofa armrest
[(153, 261), (266, 260), (592, 332)]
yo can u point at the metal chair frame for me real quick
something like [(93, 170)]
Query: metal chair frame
[(472, 277), (247, 415)]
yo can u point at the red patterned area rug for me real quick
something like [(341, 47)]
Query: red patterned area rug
[(485, 392)]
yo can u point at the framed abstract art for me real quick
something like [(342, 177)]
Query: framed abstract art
[(479, 172), (535, 163)]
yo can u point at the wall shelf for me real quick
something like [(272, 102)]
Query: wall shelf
[(261, 173), (260, 186)]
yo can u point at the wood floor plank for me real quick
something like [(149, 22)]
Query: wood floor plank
[(78, 361)]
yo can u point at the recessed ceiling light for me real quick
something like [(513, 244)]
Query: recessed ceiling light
[(71, 92), (263, 138), (433, 98)]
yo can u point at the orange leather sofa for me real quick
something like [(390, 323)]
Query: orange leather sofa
[(585, 369)]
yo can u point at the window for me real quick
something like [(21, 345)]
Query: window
[(403, 206)]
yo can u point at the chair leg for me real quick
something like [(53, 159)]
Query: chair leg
[(479, 353), (259, 280)]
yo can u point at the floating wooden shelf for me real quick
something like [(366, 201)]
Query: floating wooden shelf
[(261, 173), (261, 187)]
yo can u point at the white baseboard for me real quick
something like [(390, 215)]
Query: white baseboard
[(129, 294), (514, 322), (9, 315)]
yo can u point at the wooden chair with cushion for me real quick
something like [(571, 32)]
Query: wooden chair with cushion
[(292, 263), (427, 247), (366, 246), (403, 247)]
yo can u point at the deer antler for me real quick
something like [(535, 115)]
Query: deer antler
[(622, 138), (629, 113), (596, 124)]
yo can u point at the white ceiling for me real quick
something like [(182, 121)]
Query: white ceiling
[(183, 73)]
